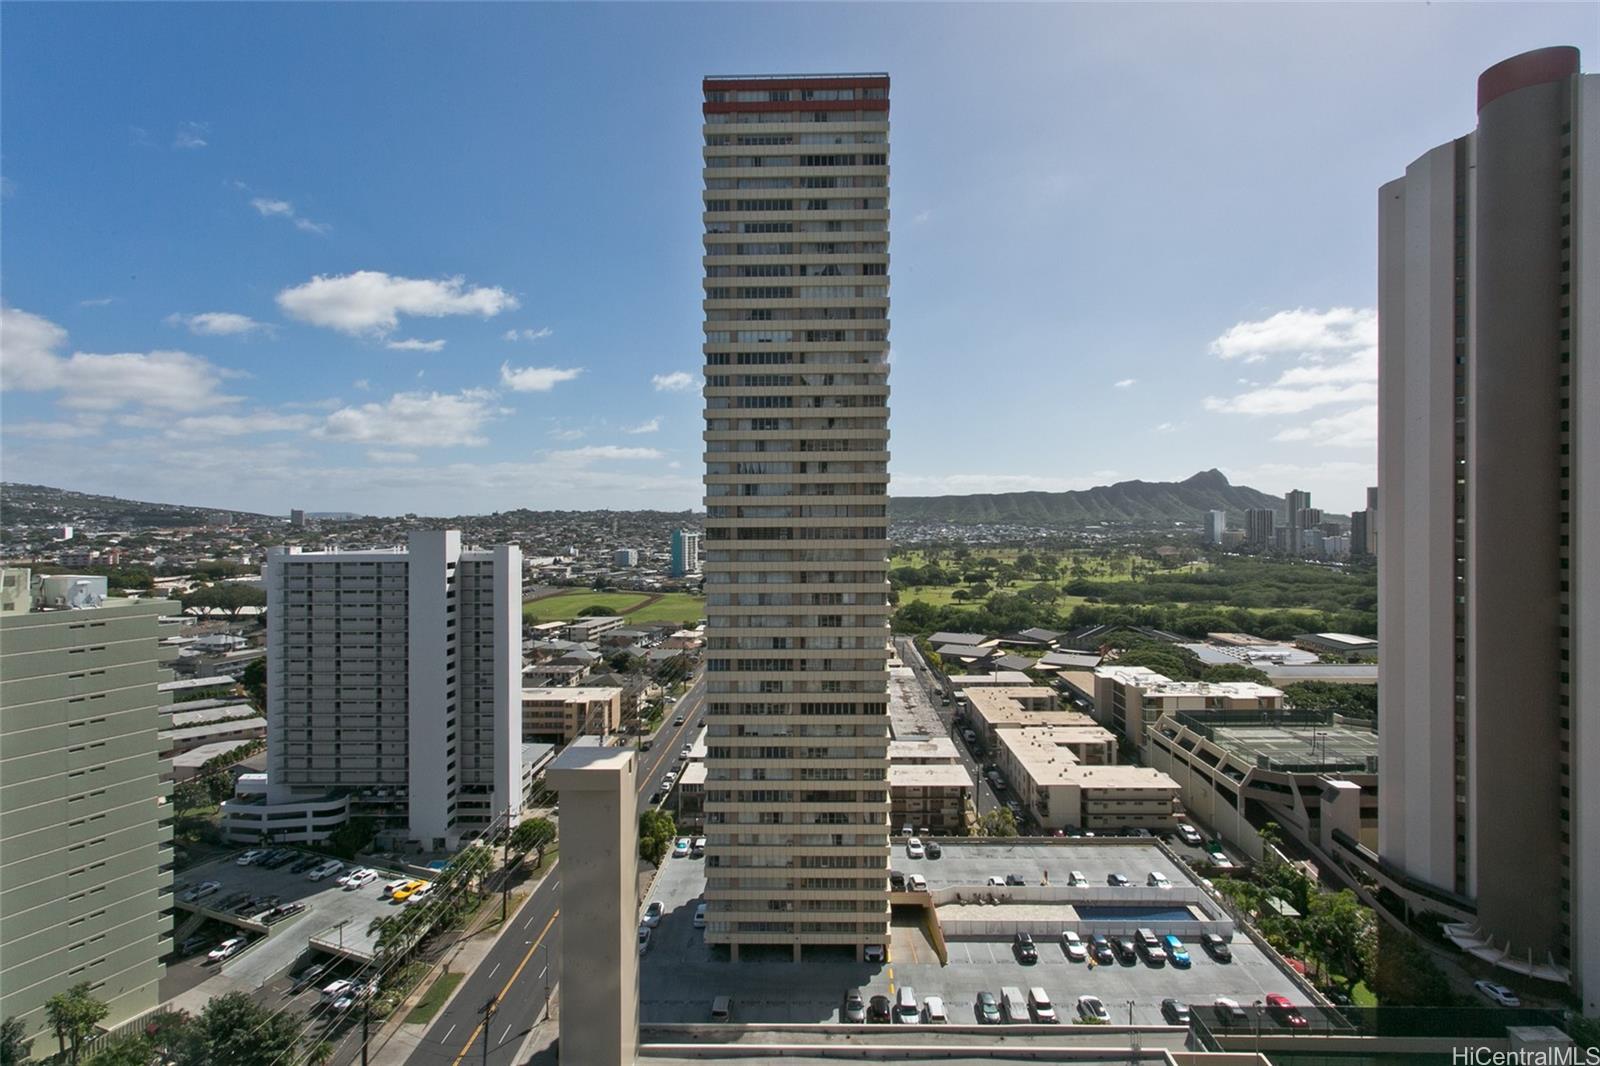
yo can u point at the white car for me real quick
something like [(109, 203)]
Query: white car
[(1076, 879), (337, 990), (1044, 1012), (1189, 835), (359, 879), (933, 1011), (227, 949), (653, 913), (1091, 1009), (326, 870), (1498, 993), (700, 916), (996, 881), (248, 857), (394, 886), (1073, 945), (201, 891), (644, 939), (916, 883), (1157, 880), (914, 848), (420, 894), (680, 848)]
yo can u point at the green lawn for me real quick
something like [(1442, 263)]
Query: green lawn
[(434, 998), (564, 606)]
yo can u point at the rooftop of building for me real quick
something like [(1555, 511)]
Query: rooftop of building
[(206, 729), (920, 749), (1014, 678), (199, 756), (929, 775), (1298, 741), (569, 693), (911, 714), (1154, 684)]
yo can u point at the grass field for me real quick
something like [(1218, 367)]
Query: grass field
[(634, 606), (434, 998)]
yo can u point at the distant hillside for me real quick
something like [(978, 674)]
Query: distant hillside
[(1126, 501), (42, 505)]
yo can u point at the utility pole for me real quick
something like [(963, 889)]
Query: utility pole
[(366, 1022), (505, 874), (488, 1020)]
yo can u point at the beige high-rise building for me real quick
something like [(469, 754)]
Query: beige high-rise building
[(796, 543), (1489, 522)]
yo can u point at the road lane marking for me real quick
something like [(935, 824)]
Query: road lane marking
[(496, 967), (447, 1033), (506, 987)]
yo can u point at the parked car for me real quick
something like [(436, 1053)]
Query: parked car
[(933, 850), (1189, 835), (987, 1009), (1100, 948), (914, 848), (1127, 953), (1076, 879), (1176, 952), (398, 883), (1091, 1009), (644, 939), (1157, 880), (897, 880), (880, 1010), (278, 914), (1022, 945), (874, 953), (194, 944), (1150, 946), (227, 949), (201, 891), (309, 977), (1229, 1012), (359, 879), (1174, 1012), (653, 913), (1498, 993), (655, 797), (917, 883), (1284, 1012), (700, 916), (1116, 881), (327, 869), (1044, 1012), (854, 1009), (403, 893), (282, 857), (305, 864), (722, 1009), (933, 1011), (1216, 947), (1073, 945), (420, 894), (680, 848), (996, 881), (249, 858), (697, 850), (907, 1011), (337, 990), (1015, 880)]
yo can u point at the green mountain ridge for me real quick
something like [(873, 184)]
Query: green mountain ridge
[(1125, 501)]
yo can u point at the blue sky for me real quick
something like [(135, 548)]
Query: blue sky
[(445, 258)]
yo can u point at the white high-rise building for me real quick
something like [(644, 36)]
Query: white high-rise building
[(1489, 523), (796, 541), (1216, 525), (394, 681)]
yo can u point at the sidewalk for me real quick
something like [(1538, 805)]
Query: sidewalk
[(396, 1040)]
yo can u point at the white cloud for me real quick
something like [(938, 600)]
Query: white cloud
[(921, 217), (1299, 332), (1273, 400), (1125, 383), (644, 427), (82, 427), (1166, 427), (416, 419), (567, 434), (1355, 428), (166, 380), (267, 207), (677, 381), (379, 455), (536, 378), (371, 302), (411, 344), (604, 451), (99, 301), (528, 334), (239, 425), (216, 323), (190, 135), (361, 383)]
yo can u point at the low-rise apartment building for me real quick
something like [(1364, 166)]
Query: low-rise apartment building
[(989, 708), (929, 787), (584, 630), (560, 714), (1129, 699)]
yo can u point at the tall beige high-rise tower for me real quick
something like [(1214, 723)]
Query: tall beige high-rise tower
[(796, 542), (1489, 572)]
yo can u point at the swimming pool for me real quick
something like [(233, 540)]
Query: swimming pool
[(1133, 913)]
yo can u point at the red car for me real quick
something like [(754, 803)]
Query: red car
[(1286, 1012)]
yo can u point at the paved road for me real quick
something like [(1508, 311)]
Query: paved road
[(909, 655), (527, 959)]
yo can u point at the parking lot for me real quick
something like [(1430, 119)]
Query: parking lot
[(680, 974), (336, 919)]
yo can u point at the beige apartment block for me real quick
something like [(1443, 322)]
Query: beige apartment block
[(1128, 699), (929, 787), (560, 714), (85, 817), (795, 553), (994, 707), (1067, 777), (599, 902), (1489, 521)]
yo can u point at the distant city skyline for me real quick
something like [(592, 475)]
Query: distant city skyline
[(391, 259)]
